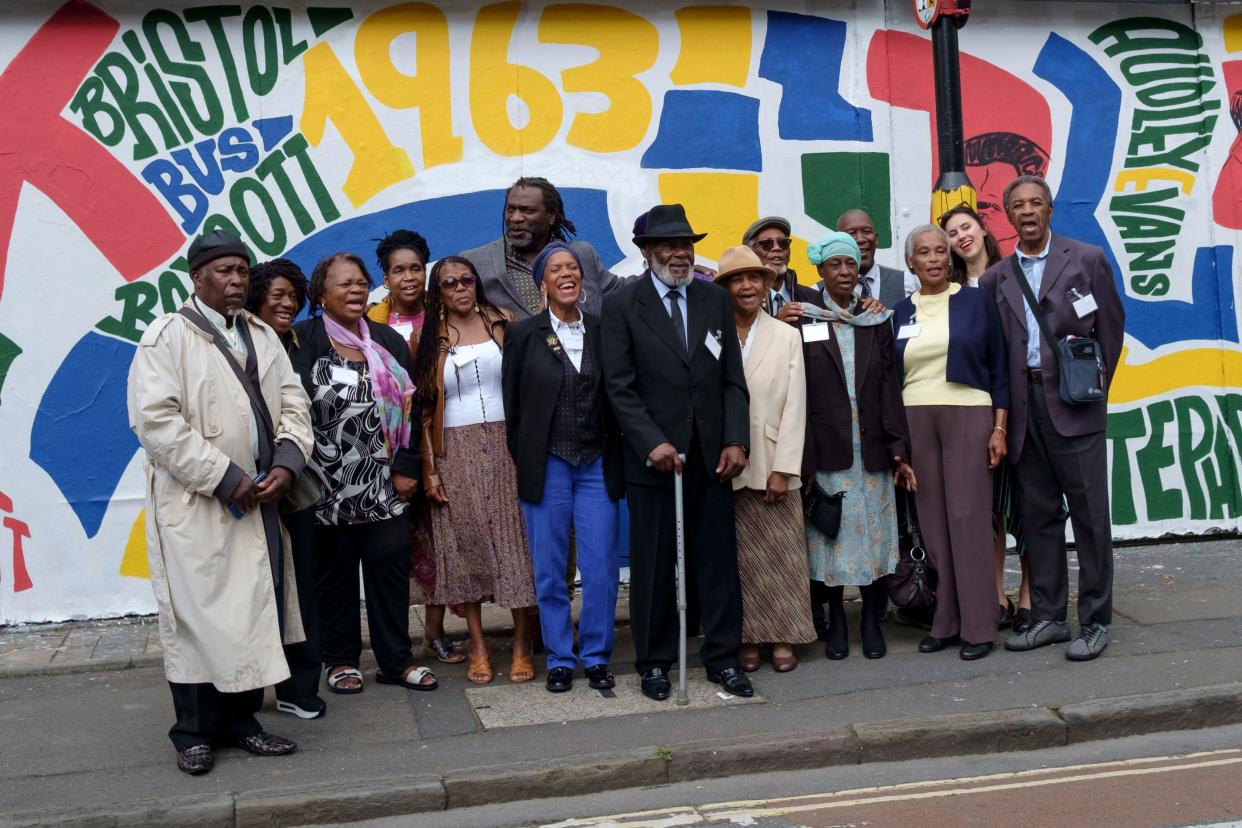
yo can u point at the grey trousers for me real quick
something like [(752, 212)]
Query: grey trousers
[(1076, 468), (949, 453)]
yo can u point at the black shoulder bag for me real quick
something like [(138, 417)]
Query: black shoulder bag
[(912, 585), (823, 510), (1079, 359)]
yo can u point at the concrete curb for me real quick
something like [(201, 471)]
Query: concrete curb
[(1027, 728)]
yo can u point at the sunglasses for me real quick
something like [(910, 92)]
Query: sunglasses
[(767, 244), (452, 282)]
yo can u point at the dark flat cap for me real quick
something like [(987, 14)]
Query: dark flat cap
[(766, 221), (215, 245)]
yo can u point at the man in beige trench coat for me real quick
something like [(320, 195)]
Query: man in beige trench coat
[(220, 560)]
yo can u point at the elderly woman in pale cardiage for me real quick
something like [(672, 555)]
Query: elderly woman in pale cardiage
[(856, 445), (955, 385)]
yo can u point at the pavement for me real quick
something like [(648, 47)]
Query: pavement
[(84, 710)]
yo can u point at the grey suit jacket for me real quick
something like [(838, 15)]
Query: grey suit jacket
[(489, 260), (1071, 266)]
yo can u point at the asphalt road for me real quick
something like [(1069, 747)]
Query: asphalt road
[(1171, 779)]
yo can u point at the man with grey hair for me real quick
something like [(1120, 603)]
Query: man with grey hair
[(673, 369), (884, 283), (1059, 448), (769, 238)]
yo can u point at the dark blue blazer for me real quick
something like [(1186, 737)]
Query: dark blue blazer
[(977, 355)]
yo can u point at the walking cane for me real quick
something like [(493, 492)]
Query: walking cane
[(679, 499), (679, 572)]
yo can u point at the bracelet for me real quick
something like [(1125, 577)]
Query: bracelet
[(1001, 430)]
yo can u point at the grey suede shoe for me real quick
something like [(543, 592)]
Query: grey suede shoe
[(1091, 641), (1039, 634)]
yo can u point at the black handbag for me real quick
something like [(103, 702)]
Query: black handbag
[(912, 585), (823, 510), (1080, 362)]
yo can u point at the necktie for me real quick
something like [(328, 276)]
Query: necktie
[(864, 283), (679, 324), (777, 301)]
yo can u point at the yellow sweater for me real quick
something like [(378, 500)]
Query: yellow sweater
[(927, 357)]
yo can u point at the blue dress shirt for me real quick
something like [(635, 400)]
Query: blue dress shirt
[(1033, 267), (664, 290)]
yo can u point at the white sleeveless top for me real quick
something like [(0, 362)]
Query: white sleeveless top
[(472, 385)]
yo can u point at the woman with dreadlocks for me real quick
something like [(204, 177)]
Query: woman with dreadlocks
[(533, 217), (481, 552)]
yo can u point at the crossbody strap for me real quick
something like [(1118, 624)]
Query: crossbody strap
[(1020, 275), (257, 403)]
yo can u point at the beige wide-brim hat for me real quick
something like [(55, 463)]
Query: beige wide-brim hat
[(738, 260)]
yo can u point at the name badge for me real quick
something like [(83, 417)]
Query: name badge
[(462, 358), (343, 376), (1085, 305), (712, 345), (817, 332), (405, 330), (572, 340), (909, 331)]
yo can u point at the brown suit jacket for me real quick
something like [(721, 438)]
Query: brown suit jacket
[(1071, 265), (829, 421)]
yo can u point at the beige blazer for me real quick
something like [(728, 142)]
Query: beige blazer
[(777, 382), (210, 573)]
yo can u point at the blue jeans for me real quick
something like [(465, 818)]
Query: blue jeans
[(575, 495)]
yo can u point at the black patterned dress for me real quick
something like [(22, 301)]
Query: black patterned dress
[(349, 446)]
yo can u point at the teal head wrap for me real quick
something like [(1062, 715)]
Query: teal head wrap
[(834, 244)]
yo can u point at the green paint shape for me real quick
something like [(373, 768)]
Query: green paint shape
[(833, 182), (323, 20), (8, 352)]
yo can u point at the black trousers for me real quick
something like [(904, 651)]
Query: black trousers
[(304, 658), (206, 716), (383, 548), (1076, 468), (711, 569)]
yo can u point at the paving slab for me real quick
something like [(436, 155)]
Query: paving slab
[(517, 705)]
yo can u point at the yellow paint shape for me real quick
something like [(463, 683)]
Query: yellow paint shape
[(1197, 367), (134, 562), (332, 95), (715, 45), (430, 89), (628, 45), (493, 79), (723, 205), (1233, 33), (1142, 177)]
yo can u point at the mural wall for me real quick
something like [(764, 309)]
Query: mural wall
[(127, 130)]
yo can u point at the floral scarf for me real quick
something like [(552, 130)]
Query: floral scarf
[(390, 384)]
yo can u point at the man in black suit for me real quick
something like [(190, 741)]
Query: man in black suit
[(673, 370)]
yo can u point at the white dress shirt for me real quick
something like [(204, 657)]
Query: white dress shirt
[(571, 336)]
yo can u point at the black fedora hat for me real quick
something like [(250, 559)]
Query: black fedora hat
[(667, 221)]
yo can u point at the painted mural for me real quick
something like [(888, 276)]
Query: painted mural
[(126, 130)]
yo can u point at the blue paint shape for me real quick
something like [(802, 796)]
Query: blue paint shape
[(1096, 101), (273, 130), (81, 434), (703, 129), (803, 55), (452, 224)]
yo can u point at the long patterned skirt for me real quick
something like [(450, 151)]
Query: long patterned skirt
[(480, 538), (771, 561)]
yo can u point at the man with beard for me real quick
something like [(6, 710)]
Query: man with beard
[(673, 370), (884, 283), (769, 238), (534, 215)]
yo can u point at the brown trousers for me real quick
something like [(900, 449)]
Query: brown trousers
[(948, 447)]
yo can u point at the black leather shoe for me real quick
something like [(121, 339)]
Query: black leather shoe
[(1022, 621), (560, 680), (931, 644), (267, 744), (655, 684), (600, 677), (733, 680), (974, 652), (196, 760)]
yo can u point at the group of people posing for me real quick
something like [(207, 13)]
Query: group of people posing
[(476, 435)]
